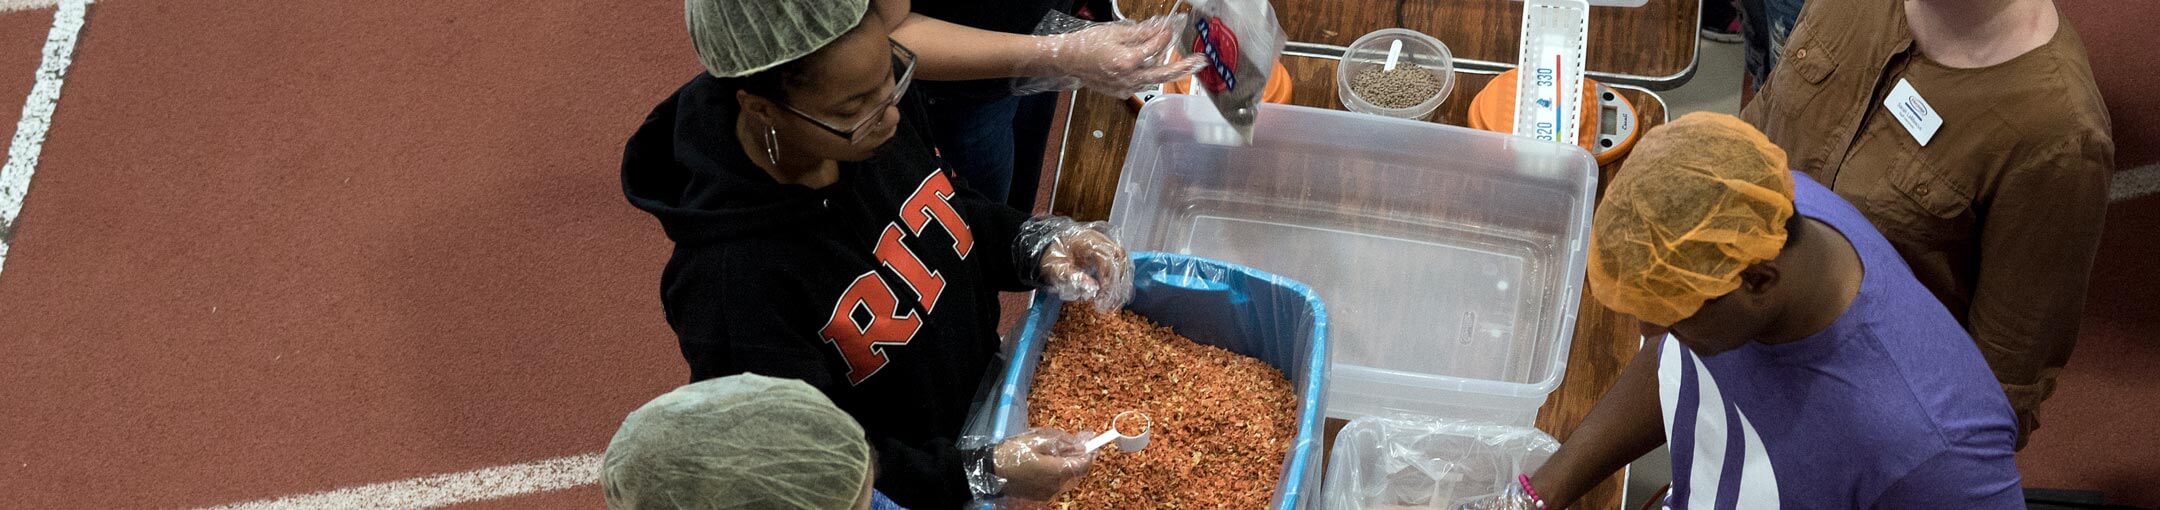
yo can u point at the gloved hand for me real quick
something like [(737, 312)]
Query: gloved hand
[(1039, 464), (1077, 261), (1117, 58), (1514, 498)]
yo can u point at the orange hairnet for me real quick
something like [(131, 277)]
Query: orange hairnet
[(1700, 199)]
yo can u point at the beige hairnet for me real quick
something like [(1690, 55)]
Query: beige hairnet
[(1698, 200), (741, 37), (745, 442)]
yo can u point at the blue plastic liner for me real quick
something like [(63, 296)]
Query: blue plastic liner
[(1250, 312)]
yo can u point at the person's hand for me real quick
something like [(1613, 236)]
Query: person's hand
[(1081, 262), (1118, 58), (1040, 463), (1514, 498)]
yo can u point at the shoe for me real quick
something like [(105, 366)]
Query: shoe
[(1720, 21), (1729, 34)]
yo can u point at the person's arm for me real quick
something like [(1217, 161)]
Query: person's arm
[(1113, 58), (1032, 467), (922, 475), (949, 52), (2037, 244), (1078, 261), (723, 330), (1624, 426)]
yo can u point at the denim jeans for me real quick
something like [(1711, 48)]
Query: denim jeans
[(996, 145), (1764, 25)]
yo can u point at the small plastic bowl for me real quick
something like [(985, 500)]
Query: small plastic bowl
[(1371, 51)]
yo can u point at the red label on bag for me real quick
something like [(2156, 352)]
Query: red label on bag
[(1215, 41)]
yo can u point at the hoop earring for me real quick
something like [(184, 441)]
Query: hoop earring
[(772, 145)]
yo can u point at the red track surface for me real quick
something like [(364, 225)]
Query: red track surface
[(280, 247), (582, 497), (22, 34)]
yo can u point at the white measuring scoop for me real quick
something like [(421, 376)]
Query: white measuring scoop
[(1127, 440)]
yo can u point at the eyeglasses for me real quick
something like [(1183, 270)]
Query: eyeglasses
[(903, 72)]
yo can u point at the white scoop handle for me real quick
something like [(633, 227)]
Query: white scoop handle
[(1132, 443)]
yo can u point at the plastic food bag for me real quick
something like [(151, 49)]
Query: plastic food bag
[(1241, 41), (1116, 58), (1406, 461)]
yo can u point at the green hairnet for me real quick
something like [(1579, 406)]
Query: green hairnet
[(740, 37), (1699, 200), (742, 442)]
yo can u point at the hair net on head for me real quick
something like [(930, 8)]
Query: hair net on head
[(1699, 199), (738, 442), (741, 37)]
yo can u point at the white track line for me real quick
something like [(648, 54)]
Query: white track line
[(447, 489), (22, 155), (2135, 183), (24, 5)]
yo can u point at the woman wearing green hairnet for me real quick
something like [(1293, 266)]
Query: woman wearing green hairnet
[(818, 237), (740, 442)]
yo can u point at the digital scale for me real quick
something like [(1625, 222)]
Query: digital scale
[(1609, 130), (1596, 118)]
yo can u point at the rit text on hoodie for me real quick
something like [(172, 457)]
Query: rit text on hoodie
[(880, 289)]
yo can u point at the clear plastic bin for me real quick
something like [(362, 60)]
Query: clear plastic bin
[(1405, 462), (1451, 259)]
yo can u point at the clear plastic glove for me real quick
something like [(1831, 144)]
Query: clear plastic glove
[(1514, 498), (1117, 58), (1077, 261), (1039, 464)]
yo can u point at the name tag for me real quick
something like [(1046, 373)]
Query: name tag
[(1913, 112)]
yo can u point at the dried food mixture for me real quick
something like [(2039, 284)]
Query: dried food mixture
[(1223, 422), (1404, 87)]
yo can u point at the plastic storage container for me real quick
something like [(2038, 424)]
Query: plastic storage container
[(1371, 51), (1403, 462), (1250, 312), (1451, 258)]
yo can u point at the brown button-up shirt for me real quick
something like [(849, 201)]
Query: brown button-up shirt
[(1999, 214)]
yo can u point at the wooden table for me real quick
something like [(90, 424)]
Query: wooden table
[(1651, 46), (1092, 153)]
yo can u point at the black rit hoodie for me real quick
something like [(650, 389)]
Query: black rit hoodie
[(880, 290)]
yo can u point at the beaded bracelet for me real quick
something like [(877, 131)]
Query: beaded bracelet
[(1532, 492)]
